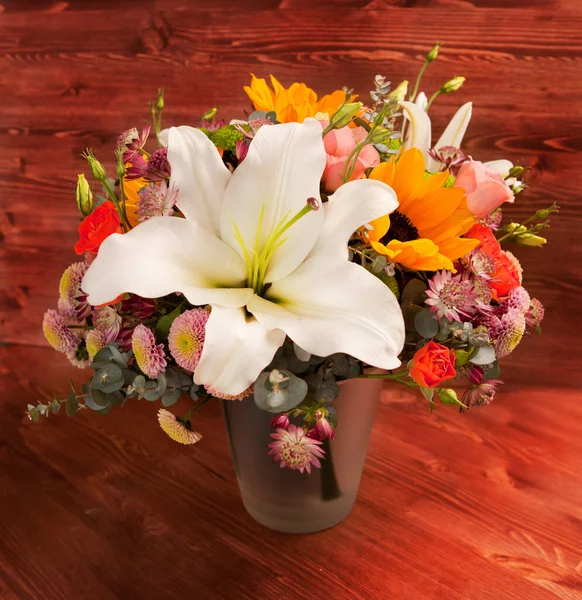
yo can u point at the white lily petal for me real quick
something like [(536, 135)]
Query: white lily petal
[(421, 101), (236, 349), (329, 305), (354, 204), (281, 171), (165, 255), (501, 166), (419, 130), (163, 137), (198, 174), (453, 134)]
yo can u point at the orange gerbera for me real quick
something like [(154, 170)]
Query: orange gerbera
[(424, 233), (294, 104)]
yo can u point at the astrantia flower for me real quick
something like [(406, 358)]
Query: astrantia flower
[(535, 313), (451, 297), (186, 338), (257, 246), (72, 301), (506, 331), (150, 358), (106, 320), (177, 429), (217, 394), (155, 200), (482, 394), (95, 341), (292, 104), (425, 232), (158, 167), (131, 141), (450, 157), (57, 334), (294, 450)]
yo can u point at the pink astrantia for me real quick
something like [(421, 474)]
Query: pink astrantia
[(482, 394), (186, 337), (451, 297), (57, 334), (150, 357), (295, 450), (130, 142), (156, 201)]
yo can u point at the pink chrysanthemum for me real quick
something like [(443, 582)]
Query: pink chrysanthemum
[(149, 357), (482, 394), (241, 396), (451, 297), (57, 334), (517, 299), (95, 341), (295, 450), (179, 430), (513, 259), (106, 320), (156, 201), (535, 313), (506, 331), (72, 301), (186, 337)]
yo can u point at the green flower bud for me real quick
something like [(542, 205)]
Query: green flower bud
[(516, 171), (448, 396), (399, 93), (345, 114), (209, 114), (83, 195), (97, 169), (432, 55), (530, 239), (515, 228), (453, 85), (120, 167), (160, 101)]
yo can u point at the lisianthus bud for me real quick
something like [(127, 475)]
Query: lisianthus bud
[(399, 93), (83, 195), (280, 421), (345, 114), (516, 171), (432, 55), (515, 228), (120, 167), (453, 85), (160, 101), (97, 169), (530, 239)]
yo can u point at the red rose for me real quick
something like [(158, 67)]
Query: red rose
[(433, 364), (506, 276), (94, 228)]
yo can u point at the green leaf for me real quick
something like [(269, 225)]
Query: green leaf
[(164, 324), (171, 396), (152, 392), (71, 406), (462, 357), (428, 393), (55, 407), (485, 356), (117, 357), (96, 400), (33, 413), (379, 263), (426, 324), (290, 393)]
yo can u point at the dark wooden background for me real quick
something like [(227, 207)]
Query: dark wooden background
[(483, 506)]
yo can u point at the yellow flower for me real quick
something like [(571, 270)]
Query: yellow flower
[(131, 188), (293, 104), (424, 233), (176, 429)]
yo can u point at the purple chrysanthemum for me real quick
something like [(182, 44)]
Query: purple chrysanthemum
[(517, 299), (186, 337), (451, 297), (506, 331), (150, 358), (295, 450), (72, 301), (57, 334), (156, 201), (535, 313)]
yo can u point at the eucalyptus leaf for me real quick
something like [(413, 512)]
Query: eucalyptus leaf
[(492, 373), (96, 400), (282, 399), (413, 293), (71, 405), (426, 324), (33, 413), (117, 357), (152, 392), (301, 354), (485, 356), (171, 396), (55, 407), (340, 364), (379, 263)]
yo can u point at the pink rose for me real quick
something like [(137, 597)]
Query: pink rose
[(339, 143), (485, 189)]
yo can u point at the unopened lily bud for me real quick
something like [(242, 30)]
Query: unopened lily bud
[(530, 239), (345, 114), (399, 92), (516, 171), (83, 195), (432, 55), (453, 85), (97, 169), (160, 101)]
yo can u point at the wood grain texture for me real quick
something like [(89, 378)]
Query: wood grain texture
[(486, 506)]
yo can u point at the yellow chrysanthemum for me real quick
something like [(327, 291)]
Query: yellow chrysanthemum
[(176, 429), (293, 104), (424, 233)]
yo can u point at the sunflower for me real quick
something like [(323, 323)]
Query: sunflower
[(293, 104), (424, 233), (131, 189)]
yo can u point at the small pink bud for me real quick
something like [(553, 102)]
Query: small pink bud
[(280, 421), (314, 203), (475, 375), (322, 430)]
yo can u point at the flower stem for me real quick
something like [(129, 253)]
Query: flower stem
[(329, 486), (198, 406)]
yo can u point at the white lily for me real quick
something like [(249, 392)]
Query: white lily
[(253, 248), (420, 130)]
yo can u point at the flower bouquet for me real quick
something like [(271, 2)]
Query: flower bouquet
[(288, 264)]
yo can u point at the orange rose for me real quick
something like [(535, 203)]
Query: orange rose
[(433, 364), (506, 276), (94, 228)]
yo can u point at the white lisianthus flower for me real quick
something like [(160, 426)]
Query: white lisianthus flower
[(254, 246)]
